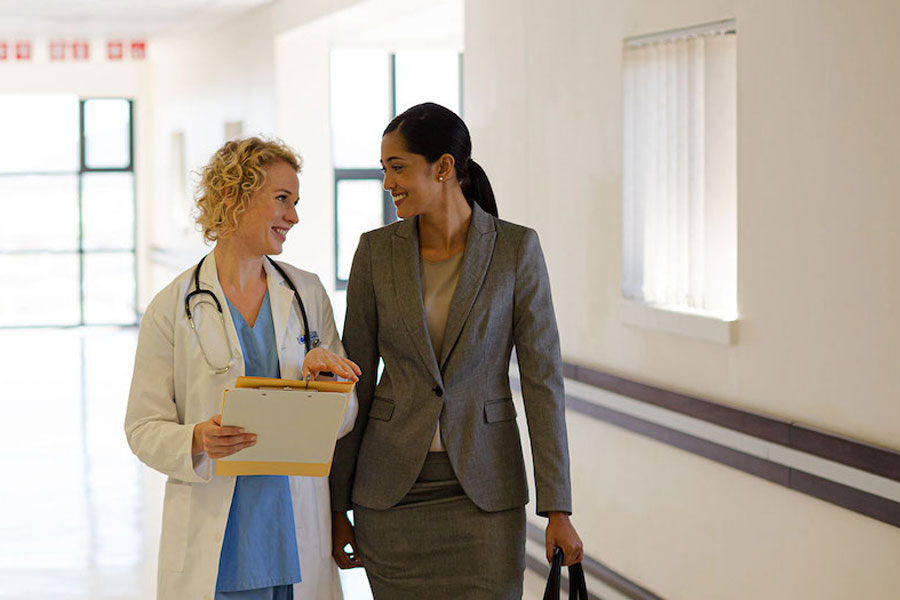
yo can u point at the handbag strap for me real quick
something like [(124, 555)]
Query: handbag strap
[(551, 590), (577, 584)]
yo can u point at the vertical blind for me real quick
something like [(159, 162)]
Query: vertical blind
[(679, 172)]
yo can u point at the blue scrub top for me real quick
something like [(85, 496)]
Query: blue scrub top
[(260, 545)]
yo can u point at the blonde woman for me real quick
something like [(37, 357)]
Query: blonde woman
[(237, 312)]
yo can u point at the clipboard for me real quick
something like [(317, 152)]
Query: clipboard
[(296, 423)]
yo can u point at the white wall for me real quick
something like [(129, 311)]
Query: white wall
[(818, 132), (302, 68), (302, 58), (269, 69), (199, 83), (817, 332)]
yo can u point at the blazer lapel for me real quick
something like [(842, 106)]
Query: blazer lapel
[(408, 290), (479, 250)]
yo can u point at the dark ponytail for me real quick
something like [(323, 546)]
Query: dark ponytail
[(431, 130), (476, 186)]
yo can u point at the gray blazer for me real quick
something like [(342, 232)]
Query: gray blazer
[(502, 300)]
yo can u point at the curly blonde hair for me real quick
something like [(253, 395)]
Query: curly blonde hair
[(234, 173)]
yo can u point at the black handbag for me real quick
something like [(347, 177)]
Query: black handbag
[(577, 586)]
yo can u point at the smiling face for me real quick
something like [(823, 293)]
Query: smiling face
[(263, 227), (411, 180)]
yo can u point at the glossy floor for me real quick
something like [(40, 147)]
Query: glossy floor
[(81, 515)]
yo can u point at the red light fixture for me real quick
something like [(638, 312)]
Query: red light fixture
[(115, 50), (138, 49), (81, 50)]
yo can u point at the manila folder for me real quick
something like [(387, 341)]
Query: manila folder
[(296, 430)]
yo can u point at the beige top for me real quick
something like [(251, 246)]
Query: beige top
[(439, 281)]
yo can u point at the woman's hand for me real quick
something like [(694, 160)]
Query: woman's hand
[(320, 359), (218, 441), (342, 535), (561, 534)]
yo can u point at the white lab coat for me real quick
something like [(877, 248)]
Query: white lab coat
[(173, 388)]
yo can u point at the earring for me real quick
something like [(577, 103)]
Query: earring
[(440, 177)]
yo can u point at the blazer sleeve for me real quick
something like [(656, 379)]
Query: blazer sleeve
[(152, 426), (536, 340), (361, 344)]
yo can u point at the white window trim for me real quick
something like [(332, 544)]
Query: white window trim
[(697, 325)]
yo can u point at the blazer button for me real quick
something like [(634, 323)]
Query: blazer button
[(437, 391)]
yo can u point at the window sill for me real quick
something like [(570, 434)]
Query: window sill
[(706, 327)]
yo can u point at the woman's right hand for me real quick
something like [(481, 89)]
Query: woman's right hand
[(322, 359), (341, 536), (218, 441)]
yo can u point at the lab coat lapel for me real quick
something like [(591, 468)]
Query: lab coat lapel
[(476, 259), (408, 290), (280, 297)]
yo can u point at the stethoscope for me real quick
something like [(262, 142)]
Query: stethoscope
[(307, 342)]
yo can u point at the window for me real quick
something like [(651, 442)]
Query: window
[(360, 203), (679, 170), (389, 84), (67, 241)]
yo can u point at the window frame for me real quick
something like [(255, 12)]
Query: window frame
[(387, 209), (375, 173), (710, 325), (80, 251)]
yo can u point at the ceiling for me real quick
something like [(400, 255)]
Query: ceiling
[(134, 18)]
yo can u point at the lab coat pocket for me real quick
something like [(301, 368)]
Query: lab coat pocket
[(176, 512)]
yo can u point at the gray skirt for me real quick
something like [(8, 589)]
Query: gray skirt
[(437, 544)]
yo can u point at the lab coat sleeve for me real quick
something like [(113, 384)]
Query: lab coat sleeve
[(152, 426), (330, 339)]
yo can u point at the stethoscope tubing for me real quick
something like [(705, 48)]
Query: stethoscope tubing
[(307, 342), (197, 291)]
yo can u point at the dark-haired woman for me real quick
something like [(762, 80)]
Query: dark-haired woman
[(434, 469)]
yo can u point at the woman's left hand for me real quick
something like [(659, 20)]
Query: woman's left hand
[(561, 534), (321, 359)]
